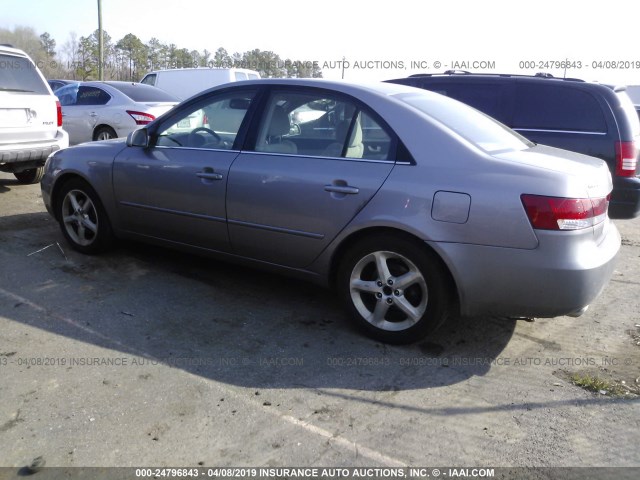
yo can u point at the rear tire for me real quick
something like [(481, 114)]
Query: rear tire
[(30, 176), (104, 133), (83, 220), (396, 290)]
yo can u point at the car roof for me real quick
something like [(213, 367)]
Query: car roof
[(345, 86)]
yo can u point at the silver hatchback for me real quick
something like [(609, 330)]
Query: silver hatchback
[(410, 204)]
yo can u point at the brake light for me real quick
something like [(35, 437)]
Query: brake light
[(557, 213), (626, 159), (59, 113), (141, 118)]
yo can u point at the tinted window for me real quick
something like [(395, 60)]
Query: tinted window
[(551, 107), (488, 98), (18, 74), (92, 96), (476, 127), (143, 93), (630, 112)]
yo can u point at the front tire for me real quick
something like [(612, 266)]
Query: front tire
[(82, 218), (30, 176), (395, 288)]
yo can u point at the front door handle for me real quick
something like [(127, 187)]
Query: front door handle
[(344, 189), (209, 175)]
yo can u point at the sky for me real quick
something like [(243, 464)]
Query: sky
[(372, 40)]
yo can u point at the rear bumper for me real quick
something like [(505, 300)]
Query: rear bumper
[(15, 157), (625, 198), (559, 277)]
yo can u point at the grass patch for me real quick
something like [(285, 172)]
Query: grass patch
[(597, 385)]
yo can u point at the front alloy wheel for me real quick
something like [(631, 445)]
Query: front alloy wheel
[(396, 289), (82, 218)]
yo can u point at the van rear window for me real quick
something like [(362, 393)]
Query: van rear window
[(18, 74)]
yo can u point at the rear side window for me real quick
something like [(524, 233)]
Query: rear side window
[(92, 96), (550, 107), (18, 74), (488, 98)]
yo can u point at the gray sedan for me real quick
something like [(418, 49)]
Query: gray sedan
[(104, 110), (411, 205)]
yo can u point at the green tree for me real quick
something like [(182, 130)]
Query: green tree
[(133, 55)]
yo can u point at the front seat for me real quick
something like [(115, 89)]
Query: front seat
[(279, 127)]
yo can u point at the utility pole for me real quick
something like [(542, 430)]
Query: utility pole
[(100, 44)]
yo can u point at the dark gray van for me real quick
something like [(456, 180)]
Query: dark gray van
[(590, 118)]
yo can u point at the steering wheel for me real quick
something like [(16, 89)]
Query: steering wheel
[(200, 141)]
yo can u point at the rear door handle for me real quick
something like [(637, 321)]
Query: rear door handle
[(345, 189)]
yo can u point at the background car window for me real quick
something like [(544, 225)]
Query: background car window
[(67, 95), (212, 125), (488, 98), (549, 107), (91, 96), (319, 125), (20, 75)]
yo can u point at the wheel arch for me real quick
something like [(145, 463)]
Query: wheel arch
[(102, 125), (351, 240), (55, 191)]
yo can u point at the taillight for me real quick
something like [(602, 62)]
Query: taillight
[(59, 113), (626, 159), (557, 213), (141, 118)]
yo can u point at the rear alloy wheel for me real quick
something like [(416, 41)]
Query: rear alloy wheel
[(395, 288), (104, 133), (27, 177), (82, 218)]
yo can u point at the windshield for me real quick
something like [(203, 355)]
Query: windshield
[(476, 127)]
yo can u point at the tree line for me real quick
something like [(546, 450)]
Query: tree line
[(129, 58)]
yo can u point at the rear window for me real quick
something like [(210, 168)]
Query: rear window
[(18, 74), (476, 127), (550, 107), (143, 93)]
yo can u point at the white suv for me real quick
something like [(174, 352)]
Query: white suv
[(30, 117)]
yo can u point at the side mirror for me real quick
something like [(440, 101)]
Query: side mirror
[(138, 138), (294, 130)]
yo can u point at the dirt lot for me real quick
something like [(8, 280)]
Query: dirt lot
[(147, 357)]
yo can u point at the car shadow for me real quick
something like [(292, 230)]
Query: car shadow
[(5, 183), (221, 321)]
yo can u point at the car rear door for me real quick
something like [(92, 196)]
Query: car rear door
[(175, 190), (302, 183)]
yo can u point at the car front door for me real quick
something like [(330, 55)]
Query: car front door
[(175, 190), (310, 171)]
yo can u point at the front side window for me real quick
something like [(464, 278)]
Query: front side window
[(210, 125), (321, 125)]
